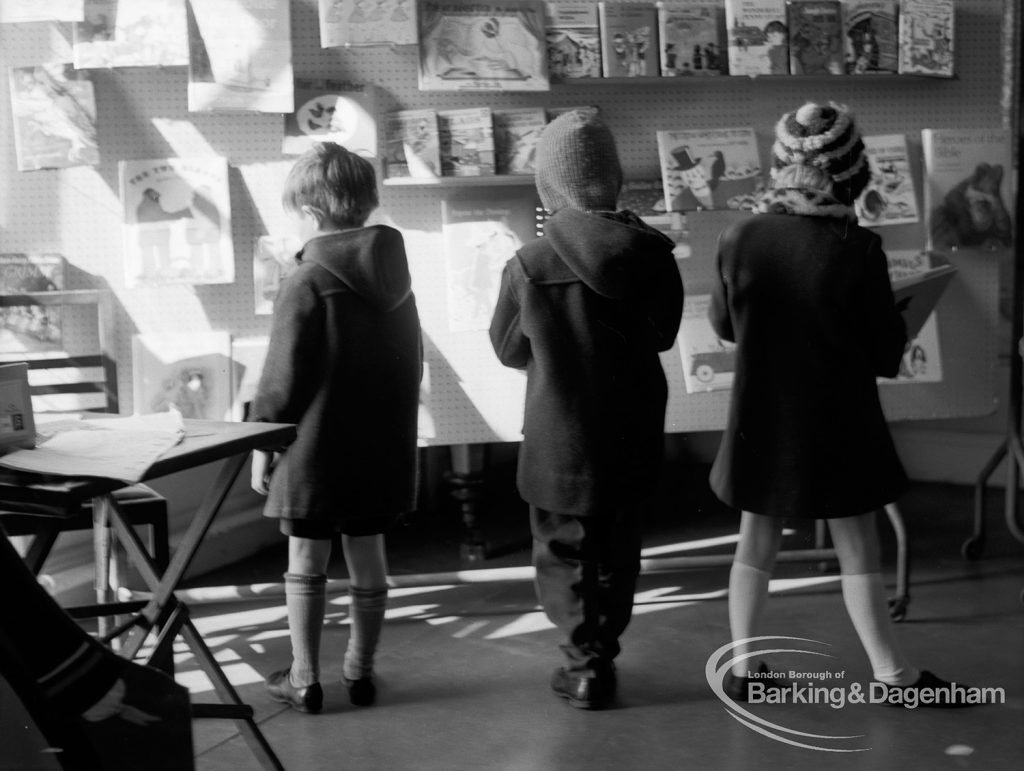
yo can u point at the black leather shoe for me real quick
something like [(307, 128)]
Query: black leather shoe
[(927, 691), (736, 687), (309, 699), (361, 692), (584, 691)]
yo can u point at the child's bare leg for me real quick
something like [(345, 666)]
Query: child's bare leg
[(306, 601), (760, 539), (368, 592)]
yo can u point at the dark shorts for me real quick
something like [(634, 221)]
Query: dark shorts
[(320, 530)]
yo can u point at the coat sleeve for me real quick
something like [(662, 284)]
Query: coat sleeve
[(667, 309), (886, 333), (507, 338), (718, 312)]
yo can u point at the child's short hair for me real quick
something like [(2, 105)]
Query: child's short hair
[(340, 185)]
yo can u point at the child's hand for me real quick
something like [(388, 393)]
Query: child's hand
[(262, 468)]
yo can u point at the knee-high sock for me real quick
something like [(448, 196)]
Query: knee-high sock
[(864, 594), (306, 601), (748, 592), (366, 617)]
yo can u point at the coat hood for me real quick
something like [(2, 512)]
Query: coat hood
[(370, 261), (615, 253)]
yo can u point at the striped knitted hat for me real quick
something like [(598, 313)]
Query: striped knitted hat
[(578, 164), (823, 137)]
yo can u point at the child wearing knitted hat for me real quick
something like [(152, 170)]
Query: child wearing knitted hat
[(585, 310), (802, 282)]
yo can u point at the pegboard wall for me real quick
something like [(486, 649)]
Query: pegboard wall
[(142, 114)]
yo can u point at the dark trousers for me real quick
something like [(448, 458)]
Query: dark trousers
[(586, 570)]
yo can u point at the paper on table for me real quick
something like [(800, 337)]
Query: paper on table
[(113, 448)]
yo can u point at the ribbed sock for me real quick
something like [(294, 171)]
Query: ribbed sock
[(306, 601), (864, 594), (366, 617), (748, 592)]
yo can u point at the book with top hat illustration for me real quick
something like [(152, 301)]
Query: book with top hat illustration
[(710, 168)]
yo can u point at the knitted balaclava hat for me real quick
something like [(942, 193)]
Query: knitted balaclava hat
[(826, 139), (577, 164)]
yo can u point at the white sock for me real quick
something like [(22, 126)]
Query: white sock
[(748, 591), (864, 594)]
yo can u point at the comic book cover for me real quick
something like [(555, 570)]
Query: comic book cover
[(574, 40), (815, 37), (871, 29), (412, 143), (758, 37), (927, 37), (467, 142), (495, 45), (629, 39), (516, 131), (142, 33), (692, 38), (28, 331), (362, 23), (710, 168), (332, 111), (890, 197)]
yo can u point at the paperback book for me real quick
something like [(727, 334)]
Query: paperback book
[(815, 37), (273, 258), (412, 142), (332, 111), (187, 372), (495, 45), (516, 131), (871, 29), (709, 363), (467, 142), (573, 40), (359, 23), (890, 197), (692, 38), (710, 168), (926, 37), (142, 33), (31, 330), (758, 37), (629, 39)]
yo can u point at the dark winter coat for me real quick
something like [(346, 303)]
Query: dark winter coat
[(808, 301), (585, 310), (344, 363)]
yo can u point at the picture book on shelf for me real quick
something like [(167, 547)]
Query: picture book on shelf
[(30, 331), (715, 168), (890, 197), (967, 192), (53, 107), (412, 144), (758, 37), (922, 359), (815, 37), (573, 40), (709, 362), (926, 37), (22, 11), (692, 38), (272, 260), (482, 228), (494, 45), (467, 142), (189, 372), (142, 33), (360, 23), (177, 221), (871, 32), (516, 131), (332, 111), (629, 39)]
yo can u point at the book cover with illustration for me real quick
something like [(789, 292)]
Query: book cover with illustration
[(758, 37), (467, 142), (574, 40), (177, 221), (189, 372), (142, 33), (273, 258), (516, 131), (927, 29), (890, 197), (364, 23), (815, 37), (494, 45), (332, 111), (692, 38), (919, 278), (715, 168), (871, 30), (53, 107), (709, 362), (30, 331), (240, 61), (412, 144), (24, 11), (629, 40), (481, 230)]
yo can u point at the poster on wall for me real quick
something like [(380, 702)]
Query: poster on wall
[(240, 61), (20, 11), (359, 23), (30, 331), (332, 111), (177, 222), (186, 372), (142, 33), (273, 258), (54, 112), (247, 357)]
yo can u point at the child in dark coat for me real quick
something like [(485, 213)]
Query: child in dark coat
[(344, 363), (804, 292), (585, 311)]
